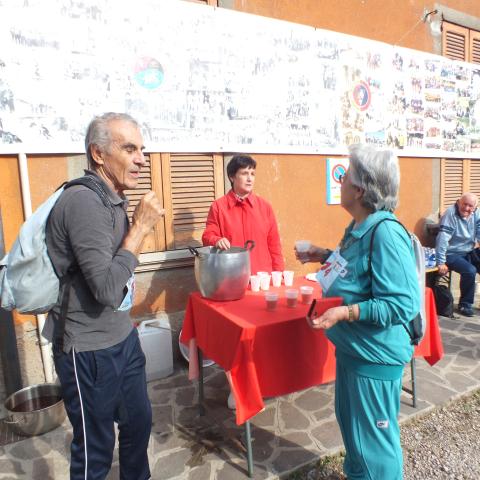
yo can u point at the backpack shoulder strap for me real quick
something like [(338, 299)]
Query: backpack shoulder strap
[(90, 182), (372, 237), (370, 271)]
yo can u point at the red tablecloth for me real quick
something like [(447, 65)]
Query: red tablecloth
[(271, 353), (431, 347)]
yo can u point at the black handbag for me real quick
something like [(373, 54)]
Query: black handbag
[(475, 258), (443, 300)]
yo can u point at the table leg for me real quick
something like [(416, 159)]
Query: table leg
[(414, 386), (201, 407), (249, 449), (412, 391)]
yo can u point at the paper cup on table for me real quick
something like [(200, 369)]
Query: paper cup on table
[(276, 279), (307, 294), (265, 282), (288, 277), (291, 295), (255, 283), (271, 299)]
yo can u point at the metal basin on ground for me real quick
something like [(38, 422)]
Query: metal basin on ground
[(36, 409)]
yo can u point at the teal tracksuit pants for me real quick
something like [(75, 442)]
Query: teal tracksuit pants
[(367, 411)]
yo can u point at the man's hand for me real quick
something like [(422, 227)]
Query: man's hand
[(442, 269), (223, 244), (329, 318), (314, 254), (147, 213)]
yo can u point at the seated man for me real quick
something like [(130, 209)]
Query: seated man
[(455, 247)]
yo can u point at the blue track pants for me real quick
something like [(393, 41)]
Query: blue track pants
[(99, 388)]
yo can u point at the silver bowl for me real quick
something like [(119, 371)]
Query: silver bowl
[(36, 409)]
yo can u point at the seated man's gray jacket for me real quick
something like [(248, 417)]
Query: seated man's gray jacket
[(457, 235)]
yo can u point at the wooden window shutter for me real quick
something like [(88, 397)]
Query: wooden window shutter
[(150, 179), (191, 182), (451, 181), (474, 177), (459, 176), (474, 46), (455, 42)]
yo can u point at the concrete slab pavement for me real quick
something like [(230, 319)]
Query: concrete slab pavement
[(294, 430)]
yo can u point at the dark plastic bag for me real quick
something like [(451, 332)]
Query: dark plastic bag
[(443, 300), (475, 258)]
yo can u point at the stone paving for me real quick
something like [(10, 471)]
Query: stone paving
[(294, 430)]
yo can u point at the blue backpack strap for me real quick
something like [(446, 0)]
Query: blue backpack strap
[(370, 271)]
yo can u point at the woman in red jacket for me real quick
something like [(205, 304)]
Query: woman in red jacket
[(240, 215)]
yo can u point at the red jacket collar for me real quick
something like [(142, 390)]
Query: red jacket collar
[(233, 200)]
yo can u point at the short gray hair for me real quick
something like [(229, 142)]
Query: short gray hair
[(98, 133), (378, 174)]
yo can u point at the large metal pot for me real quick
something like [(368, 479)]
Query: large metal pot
[(36, 409), (222, 274)]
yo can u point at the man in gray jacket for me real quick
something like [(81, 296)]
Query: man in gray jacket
[(97, 352)]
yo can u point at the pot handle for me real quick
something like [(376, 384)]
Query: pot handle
[(194, 251), (250, 243), (14, 422)]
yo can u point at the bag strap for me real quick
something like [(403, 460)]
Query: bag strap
[(67, 280), (60, 330), (93, 184), (370, 270)]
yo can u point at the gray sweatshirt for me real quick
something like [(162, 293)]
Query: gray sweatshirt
[(80, 233)]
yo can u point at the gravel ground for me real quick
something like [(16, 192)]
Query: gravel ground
[(441, 445)]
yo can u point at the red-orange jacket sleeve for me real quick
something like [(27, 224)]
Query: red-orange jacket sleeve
[(274, 244), (212, 234)]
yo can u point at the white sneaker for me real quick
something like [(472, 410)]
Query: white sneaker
[(232, 405)]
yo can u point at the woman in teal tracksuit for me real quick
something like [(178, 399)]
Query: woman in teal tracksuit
[(372, 344)]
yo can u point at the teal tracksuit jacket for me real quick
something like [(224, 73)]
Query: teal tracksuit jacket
[(377, 345), (372, 351)]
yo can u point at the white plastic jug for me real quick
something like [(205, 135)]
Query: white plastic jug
[(156, 340)]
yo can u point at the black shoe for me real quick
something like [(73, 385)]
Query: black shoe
[(465, 311)]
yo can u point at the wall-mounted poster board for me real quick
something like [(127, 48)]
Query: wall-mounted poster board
[(200, 78)]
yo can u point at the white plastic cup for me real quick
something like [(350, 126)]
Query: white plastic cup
[(277, 279), (288, 277), (307, 294), (265, 281), (271, 299), (255, 283), (302, 246), (291, 295)]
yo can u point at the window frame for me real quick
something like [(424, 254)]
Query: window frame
[(161, 252)]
